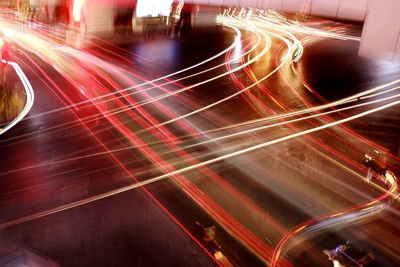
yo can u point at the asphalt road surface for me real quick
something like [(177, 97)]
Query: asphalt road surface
[(134, 147)]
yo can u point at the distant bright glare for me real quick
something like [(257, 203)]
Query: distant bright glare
[(77, 10), (153, 8)]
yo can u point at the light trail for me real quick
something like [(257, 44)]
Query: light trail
[(335, 218), (138, 105), (164, 77), (146, 89), (353, 98), (192, 167), (131, 175), (224, 99), (294, 47), (12, 34), (289, 25), (153, 80), (328, 221), (252, 130), (120, 126), (211, 140), (269, 118), (30, 97), (287, 115), (231, 96), (346, 129), (365, 140), (174, 93), (111, 68), (158, 98), (318, 142), (204, 201)]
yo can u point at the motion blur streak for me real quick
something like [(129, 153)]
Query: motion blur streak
[(30, 97), (201, 164), (210, 140), (353, 214), (73, 51), (153, 128)]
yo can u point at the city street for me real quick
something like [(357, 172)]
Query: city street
[(260, 128)]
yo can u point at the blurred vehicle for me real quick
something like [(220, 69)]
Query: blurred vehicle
[(207, 235)]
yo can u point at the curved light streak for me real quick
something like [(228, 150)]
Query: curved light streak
[(74, 105), (290, 40), (191, 167), (228, 97), (111, 67), (331, 220), (30, 97), (211, 140), (139, 104)]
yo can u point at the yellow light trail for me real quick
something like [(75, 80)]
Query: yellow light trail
[(252, 130), (192, 167)]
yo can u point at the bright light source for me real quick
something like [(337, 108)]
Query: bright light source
[(153, 8), (77, 10)]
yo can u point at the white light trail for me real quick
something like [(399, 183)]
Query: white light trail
[(328, 221), (94, 99), (252, 130), (192, 167), (30, 97), (256, 129)]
